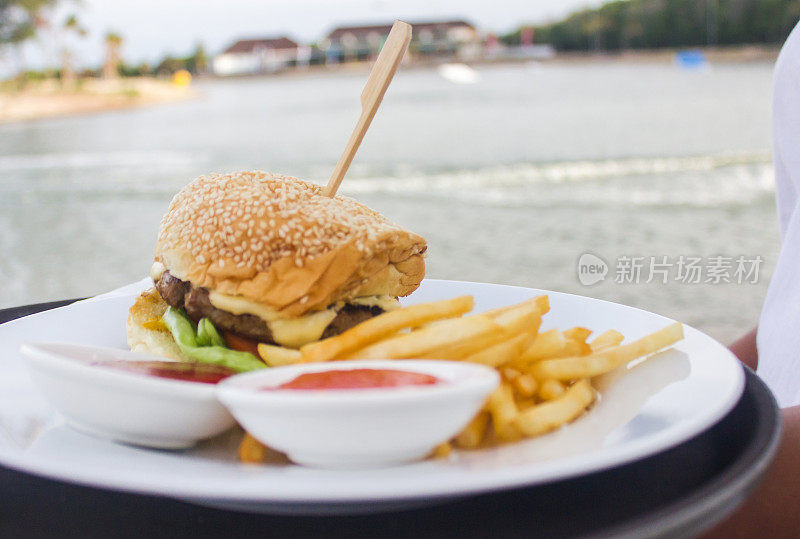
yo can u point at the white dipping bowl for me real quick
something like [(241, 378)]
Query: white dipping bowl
[(358, 428), (122, 406)]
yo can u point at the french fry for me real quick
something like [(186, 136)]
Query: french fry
[(551, 389), (547, 344), (550, 415), (503, 409), (524, 404), (526, 385), (278, 356), (521, 318), (384, 325), (472, 435), (546, 377), (541, 303), (524, 318), (501, 353), (417, 343), (607, 360), (442, 451), (519, 327), (605, 340), (466, 347), (574, 348), (251, 450), (577, 334)]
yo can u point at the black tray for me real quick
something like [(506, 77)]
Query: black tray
[(679, 492)]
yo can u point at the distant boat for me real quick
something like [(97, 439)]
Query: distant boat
[(691, 59), (458, 73)]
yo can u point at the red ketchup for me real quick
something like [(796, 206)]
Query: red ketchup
[(174, 370), (358, 379)]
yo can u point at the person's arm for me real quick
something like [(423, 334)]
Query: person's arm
[(773, 510), (745, 349)]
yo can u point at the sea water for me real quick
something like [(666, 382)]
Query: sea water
[(511, 179)]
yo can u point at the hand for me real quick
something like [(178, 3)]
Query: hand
[(772, 510), (745, 349)]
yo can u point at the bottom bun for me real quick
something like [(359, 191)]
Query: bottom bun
[(148, 307)]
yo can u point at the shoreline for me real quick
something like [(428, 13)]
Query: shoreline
[(728, 54), (46, 99)]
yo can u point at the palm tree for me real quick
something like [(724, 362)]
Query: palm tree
[(20, 20), (113, 57), (71, 25)]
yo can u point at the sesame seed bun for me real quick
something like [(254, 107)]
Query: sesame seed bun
[(279, 241)]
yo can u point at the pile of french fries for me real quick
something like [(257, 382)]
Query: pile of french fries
[(546, 375)]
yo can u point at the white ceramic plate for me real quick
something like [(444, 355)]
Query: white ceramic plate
[(653, 406)]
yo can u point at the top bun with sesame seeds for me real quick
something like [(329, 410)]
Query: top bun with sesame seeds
[(279, 242)]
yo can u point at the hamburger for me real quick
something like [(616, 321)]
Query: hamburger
[(267, 258)]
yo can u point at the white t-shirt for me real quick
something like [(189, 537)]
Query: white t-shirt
[(779, 327)]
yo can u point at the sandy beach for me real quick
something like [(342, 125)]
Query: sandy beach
[(47, 99)]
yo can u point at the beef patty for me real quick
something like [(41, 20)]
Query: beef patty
[(194, 299)]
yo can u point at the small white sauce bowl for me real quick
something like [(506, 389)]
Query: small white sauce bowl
[(126, 407), (358, 428)]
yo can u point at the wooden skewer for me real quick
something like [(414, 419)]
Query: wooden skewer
[(377, 83)]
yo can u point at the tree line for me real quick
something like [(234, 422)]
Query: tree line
[(21, 21), (651, 24)]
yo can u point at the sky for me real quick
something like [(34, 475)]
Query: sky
[(152, 28)]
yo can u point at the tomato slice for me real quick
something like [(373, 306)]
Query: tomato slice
[(242, 344)]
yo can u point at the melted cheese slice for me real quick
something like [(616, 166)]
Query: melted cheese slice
[(294, 332), (156, 271)]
